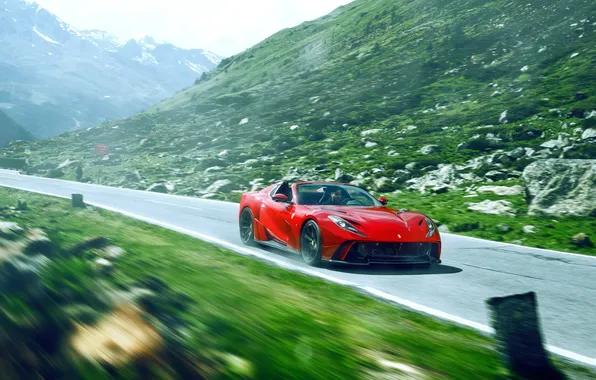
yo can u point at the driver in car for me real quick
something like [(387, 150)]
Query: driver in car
[(335, 197)]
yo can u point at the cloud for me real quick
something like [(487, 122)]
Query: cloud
[(225, 27)]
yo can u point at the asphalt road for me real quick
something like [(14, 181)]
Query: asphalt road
[(472, 270)]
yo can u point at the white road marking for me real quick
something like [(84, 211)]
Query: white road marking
[(372, 291), (176, 205)]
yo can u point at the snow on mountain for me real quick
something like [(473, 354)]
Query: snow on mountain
[(52, 74)]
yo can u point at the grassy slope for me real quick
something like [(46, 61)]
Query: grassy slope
[(286, 324), (449, 68)]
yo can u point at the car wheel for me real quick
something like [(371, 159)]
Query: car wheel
[(311, 247), (247, 226)]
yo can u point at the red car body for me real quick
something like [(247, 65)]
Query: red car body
[(384, 235)]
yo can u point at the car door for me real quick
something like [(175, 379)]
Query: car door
[(275, 216)]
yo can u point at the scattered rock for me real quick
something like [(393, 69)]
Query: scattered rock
[(68, 162), (503, 117), (222, 185), (98, 242), (529, 229), (500, 207), (118, 338), (496, 175), (559, 143), (581, 240), (112, 252), (39, 243), (428, 149), (370, 132), (400, 176), (340, 176), (440, 189), (501, 190), (103, 265), (158, 188), (589, 133), (503, 228), (443, 228), (10, 230), (383, 184), (561, 187), (370, 144)]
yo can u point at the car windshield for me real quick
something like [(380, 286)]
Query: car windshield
[(334, 195)]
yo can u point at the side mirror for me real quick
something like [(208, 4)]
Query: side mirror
[(281, 198), (383, 201)]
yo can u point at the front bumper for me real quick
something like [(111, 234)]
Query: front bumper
[(365, 253)]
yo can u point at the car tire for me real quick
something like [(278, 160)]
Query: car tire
[(246, 225), (311, 244)]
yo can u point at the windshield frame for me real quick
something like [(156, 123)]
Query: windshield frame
[(345, 187)]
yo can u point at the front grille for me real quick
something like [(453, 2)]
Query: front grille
[(391, 252), (394, 249)]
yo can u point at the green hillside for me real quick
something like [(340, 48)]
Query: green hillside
[(11, 131), (448, 95)]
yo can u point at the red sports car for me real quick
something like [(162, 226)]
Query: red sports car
[(336, 222)]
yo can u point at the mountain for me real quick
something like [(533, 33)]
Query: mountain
[(11, 131), (54, 78), (442, 105)]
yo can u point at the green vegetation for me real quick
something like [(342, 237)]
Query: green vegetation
[(278, 323), (476, 78)]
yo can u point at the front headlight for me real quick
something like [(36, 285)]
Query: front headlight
[(431, 227), (342, 223)]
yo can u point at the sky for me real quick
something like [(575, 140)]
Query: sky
[(224, 27)]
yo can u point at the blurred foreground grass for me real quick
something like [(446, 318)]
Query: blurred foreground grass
[(259, 320)]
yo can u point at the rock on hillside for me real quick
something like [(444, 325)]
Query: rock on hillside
[(561, 187)]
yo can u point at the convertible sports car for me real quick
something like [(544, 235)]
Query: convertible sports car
[(336, 222)]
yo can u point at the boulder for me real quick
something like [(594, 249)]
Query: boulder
[(503, 228), (219, 186), (340, 176), (589, 133), (529, 229), (561, 187), (496, 175), (428, 149), (158, 188), (400, 176), (501, 190), (500, 207), (65, 164), (560, 142), (581, 240), (445, 176), (383, 184)]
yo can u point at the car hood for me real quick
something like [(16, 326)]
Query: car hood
[(380, 223)]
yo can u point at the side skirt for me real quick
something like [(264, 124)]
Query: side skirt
[(276, 245)]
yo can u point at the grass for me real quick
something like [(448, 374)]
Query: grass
[(286, 324)]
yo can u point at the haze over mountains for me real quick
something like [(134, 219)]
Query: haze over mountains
[(55, 78)]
